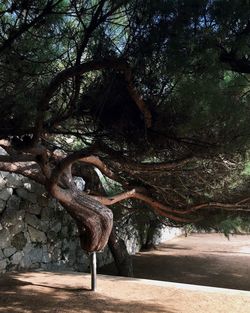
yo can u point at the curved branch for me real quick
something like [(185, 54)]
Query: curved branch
[(120, 162), (17, 158), (157, 206), (133, 167), (167, 211), (142, 106), (28, 169), (98, 163), (238, 206), (83, 156)]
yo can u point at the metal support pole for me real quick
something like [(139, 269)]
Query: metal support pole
[(93, 270)]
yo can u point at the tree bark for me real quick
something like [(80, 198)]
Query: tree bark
[(123, 260), (94, 220)]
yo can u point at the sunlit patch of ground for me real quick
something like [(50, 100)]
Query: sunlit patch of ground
[(200, 259), (203, 259), (45, 292)]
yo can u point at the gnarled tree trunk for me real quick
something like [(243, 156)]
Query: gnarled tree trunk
[(123, 260), (94, 221)]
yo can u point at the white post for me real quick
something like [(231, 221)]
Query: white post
[(93, 270)]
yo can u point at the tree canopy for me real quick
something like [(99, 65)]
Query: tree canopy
[(154, 94)]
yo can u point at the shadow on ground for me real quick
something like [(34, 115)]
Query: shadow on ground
[(219, 263), (17, 296)]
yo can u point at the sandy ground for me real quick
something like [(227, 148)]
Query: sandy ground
[(45, 292), (68, 292), (203, 259)]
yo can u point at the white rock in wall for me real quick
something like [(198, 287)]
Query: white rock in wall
[(80, 183), (2, 151)]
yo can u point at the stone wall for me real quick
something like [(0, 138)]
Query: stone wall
[(36, 232)]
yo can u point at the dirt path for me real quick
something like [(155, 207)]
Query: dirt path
[(68, 293), (203, 259), (200, 259)]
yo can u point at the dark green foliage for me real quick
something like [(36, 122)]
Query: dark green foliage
[(189, 62)]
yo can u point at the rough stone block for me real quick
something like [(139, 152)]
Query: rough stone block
[(30, 207), (2, 205), (34, 187), (16, 258), (3, 174), (36, 235), (45, 226), (56, 255), (11, 217), (43, 200), (9, 251), (24, 194), (5, 238), (2, 182), (14, 180), (6, 193), (51, 235), (13, 203), (46, 255), (3, 265), (46, 213), (25, 261), (29, 246), (19, 241), (17, 228), (33, 221), (65, 231), (56, 227), (36, 255)]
